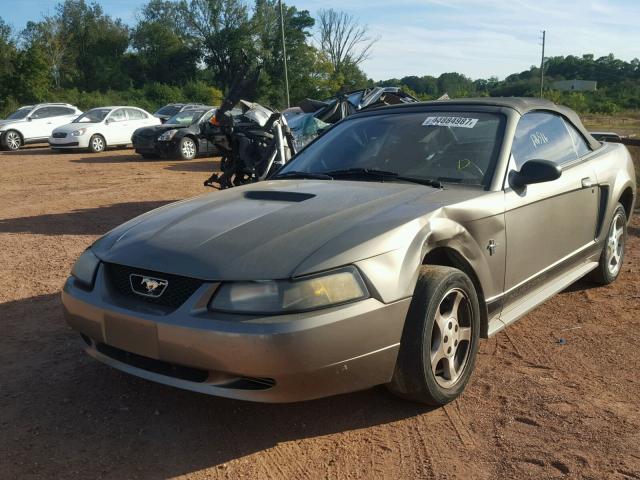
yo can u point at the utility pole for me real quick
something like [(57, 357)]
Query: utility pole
[(544, 33), (284, 55)]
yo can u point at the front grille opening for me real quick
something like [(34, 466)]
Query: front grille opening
[(178, 290), (248, 383), (183, 372), (152, 365)]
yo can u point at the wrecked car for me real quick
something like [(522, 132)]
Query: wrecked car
[(312, 117), (380, 254)]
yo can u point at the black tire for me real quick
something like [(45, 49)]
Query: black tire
[(414, 377), (187, 149), (603, 274), (97, 144), (11, 140)]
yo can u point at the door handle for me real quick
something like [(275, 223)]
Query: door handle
[(588, 183)]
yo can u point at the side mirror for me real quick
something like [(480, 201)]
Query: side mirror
[(534, 171), (29, 119), (107, 121)]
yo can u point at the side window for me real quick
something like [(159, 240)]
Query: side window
[(118, 115), (135, 114), (207, 116), (579, 142), (44, 112), (542, 136), (61, 111)]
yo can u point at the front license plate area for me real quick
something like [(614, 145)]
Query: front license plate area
[(131, 335)]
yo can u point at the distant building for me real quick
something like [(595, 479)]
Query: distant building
[(575, 85)]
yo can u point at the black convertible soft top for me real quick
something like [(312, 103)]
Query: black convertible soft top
[(521, 105)]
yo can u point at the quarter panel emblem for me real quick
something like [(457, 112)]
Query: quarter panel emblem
[(147, 286)]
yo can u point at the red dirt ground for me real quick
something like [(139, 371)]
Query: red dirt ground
[(535, 408)]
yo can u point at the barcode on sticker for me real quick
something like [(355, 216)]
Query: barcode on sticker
[(462, 122)]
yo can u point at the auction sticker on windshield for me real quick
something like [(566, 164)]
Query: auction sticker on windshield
[(451, 122)]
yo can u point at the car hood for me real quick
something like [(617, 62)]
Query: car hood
[(270, 230), (71, 127), (5, 123)]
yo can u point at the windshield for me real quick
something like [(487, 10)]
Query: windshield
[(19, 114), (187, 117), (169, 110), (93, 116), (457, 147)]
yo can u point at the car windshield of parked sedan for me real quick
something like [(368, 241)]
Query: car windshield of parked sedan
[(168, 110), (188, 117), (93, 116), (456, 147), (19, 114)]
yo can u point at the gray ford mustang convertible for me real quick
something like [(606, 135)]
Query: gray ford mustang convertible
[(380, 254)]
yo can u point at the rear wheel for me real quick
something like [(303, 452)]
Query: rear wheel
[(11, 140), (187, 149), (97, 144), (612, 254), (440, 338)]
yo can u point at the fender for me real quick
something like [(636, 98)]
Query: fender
[(387, 271)]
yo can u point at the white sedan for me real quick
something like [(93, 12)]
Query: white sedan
[(101, 127)]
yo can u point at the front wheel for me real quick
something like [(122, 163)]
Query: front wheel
[(187, 149), (97, 144), (440, 338), (612, 255), (12, 140)]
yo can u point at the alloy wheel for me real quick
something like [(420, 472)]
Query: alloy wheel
[(188, 148), (13, 140), (97, 144), (615, 245), (451, 338)]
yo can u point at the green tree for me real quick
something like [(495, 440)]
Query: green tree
[(161, 52), (222, 30), (96, 46), (8, 54), (455, 85)]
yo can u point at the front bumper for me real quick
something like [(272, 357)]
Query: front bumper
[(69, 142), (147, 146), (269, 359)]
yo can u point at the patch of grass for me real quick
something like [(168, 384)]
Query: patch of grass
[(623, 124)]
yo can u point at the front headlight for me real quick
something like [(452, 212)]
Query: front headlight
[(166, 136), (84, 270), (289, 296), (79, 132)]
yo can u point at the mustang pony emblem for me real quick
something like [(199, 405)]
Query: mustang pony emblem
[(147, 286)]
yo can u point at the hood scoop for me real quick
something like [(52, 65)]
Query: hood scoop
[(278, 196)]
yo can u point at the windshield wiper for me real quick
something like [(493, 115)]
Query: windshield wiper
[(383, 175), (297, 174)]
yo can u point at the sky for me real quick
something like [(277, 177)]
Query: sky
[(479, 38)]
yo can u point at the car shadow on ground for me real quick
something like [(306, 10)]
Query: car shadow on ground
[(206, 165), (63, 411), (105, 158), (29, 150), (580, 285), (87, 221)]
